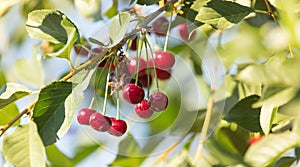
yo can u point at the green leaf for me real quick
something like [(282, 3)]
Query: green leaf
[(113, 10), (49, 110), (118, 27), (276, 96), (57, 158), (222, 14), (267, 115), (273, 73), (8, 113), (84, 151), (285, 161), (128, 146), (266, 151), (11, 92), (244, 115), (24, 147), (147, 2), (2, 79), (25, 71), (90, 9), (55, 27), (75, 99)]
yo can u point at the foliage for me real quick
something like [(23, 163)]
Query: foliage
[(236, 78)]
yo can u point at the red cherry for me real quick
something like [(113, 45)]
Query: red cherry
[(158, 101), (183, 31), (164, 60), (132, 66), (83, 116), (143, 110), (143, 80), (160, 26), (255, 139), (82, 51), (163, 74), (133, 44), (132, 93), (118, 127), (100, 122)]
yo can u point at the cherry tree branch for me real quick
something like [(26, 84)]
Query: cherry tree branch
[(88, 63)]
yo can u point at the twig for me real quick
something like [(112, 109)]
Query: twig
[(88, 63), (204, 128), (271, 13)]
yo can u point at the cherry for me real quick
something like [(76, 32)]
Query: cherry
[(160, 26), (108, 64), (132, 66), (143, 80), (100, 122), (158, 101), (132, 93), (184, 34), (163, 74), (83, 116), (255, 139), (163, 60), (130, 80), (143, 109), (82, 51), (118, 127), (133, 44)]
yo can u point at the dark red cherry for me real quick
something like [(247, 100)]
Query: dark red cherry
[(118, 127), (133, 44), (164, 60), (143, 80), (82, 51), (100, 122), (160, 26), (133, 65), (132, 93), (184, 34), (143, 110), (163, 74), (83, 116), (158, 101)]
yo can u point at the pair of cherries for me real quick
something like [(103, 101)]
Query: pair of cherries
[(101, 123)]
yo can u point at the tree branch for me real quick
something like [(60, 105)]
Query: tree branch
[(88, 63)]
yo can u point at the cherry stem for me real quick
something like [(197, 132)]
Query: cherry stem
[(168, 33), (118, 97), (154, 65), (106, 89), (140, 45), (147, 71)]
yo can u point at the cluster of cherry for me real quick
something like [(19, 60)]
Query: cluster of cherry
[(132, 78)]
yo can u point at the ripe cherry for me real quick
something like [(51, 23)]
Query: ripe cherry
[(82, 51), (133, 44), (132, 93), (133, 64), (163, 74), (143, 109), (143, 80), (83, 116), (158, 101), (118, 127), (100, 122), (184, 34), (163, 60), (255, 139), (160, 26)]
